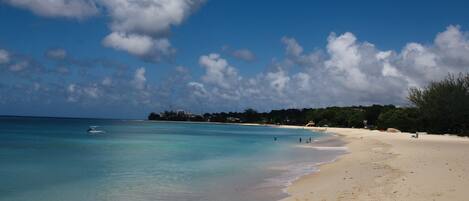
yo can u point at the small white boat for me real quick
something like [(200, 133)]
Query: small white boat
[(93, 130)]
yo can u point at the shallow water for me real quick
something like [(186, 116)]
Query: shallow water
[(55, 159)]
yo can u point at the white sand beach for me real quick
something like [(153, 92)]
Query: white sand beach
[(390, 166)]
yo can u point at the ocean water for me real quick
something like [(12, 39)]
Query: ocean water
[(49, 159)]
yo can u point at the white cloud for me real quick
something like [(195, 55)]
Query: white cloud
[(4, 56), (148, 17), (132, 43), (76, 92), (278, 80), (138, 27), (292, 48), (343, 51), (140, 80), (419, 55), (449, 54), (58, 8), (129, 90), (218, 71), (163, 47), (303, 81), (294, 54), (57, 54), (451, 39), (453, 46), (345, 60), (347, 72), (198, 89), (140, 45)]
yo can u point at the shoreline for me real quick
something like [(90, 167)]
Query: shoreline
[(389, 166), (385, 166), (291, 172), (328, 142)]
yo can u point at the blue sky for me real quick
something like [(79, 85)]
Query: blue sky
[(123, 59)]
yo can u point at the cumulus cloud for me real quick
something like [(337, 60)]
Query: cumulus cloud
[(83, 92), (94, 84), (78, 9), (4, 56), (148, 17), (137, 27), (346, 56), (292, 48), (278, 80), (133, 43), (346, 72), (139, 80), (218, 71), (140, 45), (17, 65), (198, 89), (130, 91)]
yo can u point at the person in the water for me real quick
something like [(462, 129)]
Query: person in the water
[(300, 139)]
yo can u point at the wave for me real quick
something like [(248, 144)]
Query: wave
[(293, 172), (324, 148)]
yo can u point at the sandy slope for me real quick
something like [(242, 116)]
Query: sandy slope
[(385, 166)]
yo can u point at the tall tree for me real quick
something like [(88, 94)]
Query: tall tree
[(444, 105)]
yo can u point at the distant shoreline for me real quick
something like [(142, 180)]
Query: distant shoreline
[(225, 123)]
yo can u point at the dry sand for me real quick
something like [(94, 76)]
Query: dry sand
[(390, 166)]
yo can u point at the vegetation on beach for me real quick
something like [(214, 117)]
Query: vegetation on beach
[(441, 107), (331, 116)]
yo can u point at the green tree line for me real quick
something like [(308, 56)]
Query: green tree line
[(441, 107)]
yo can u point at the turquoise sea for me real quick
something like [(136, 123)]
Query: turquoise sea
[(53, 159)]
